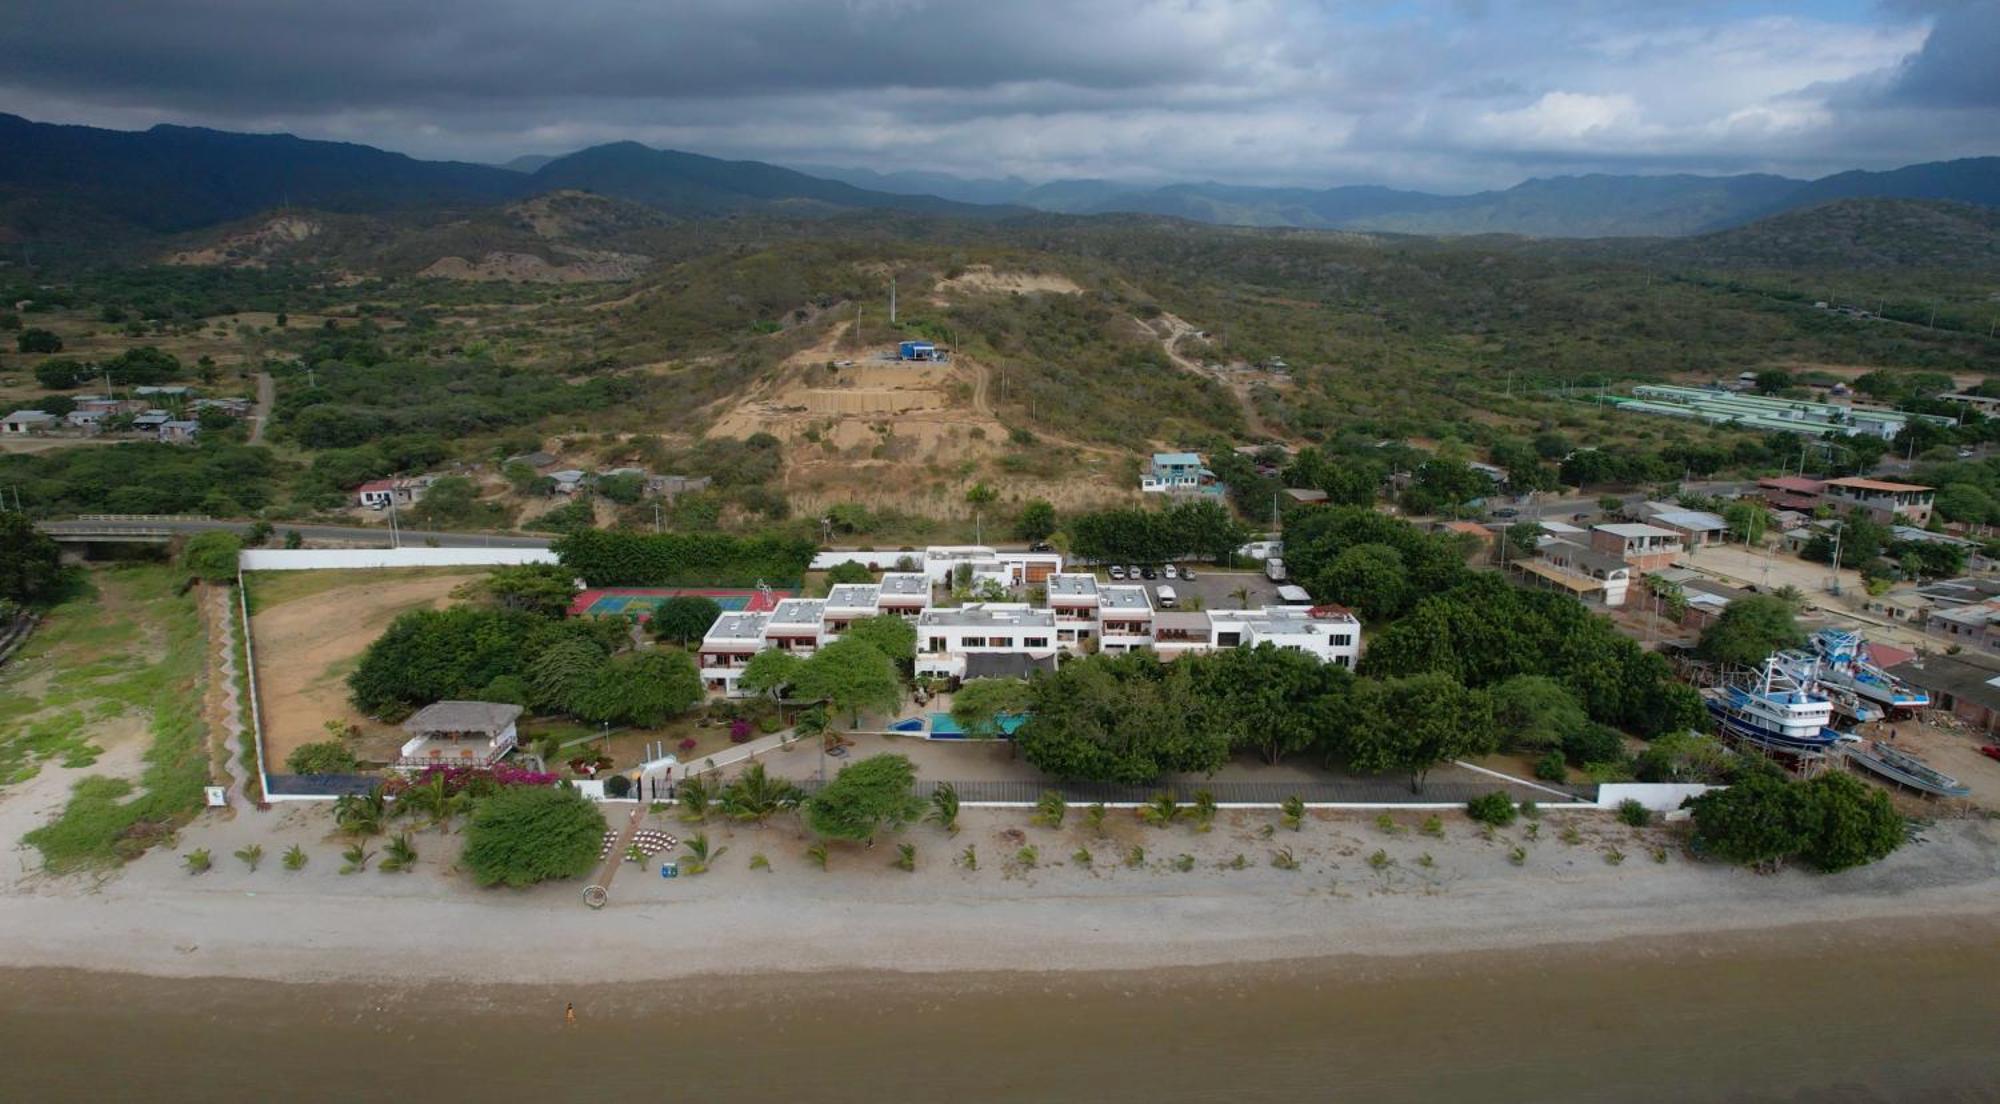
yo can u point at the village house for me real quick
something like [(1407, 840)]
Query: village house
[(21, 423), (1697, 528), (1643, 547), (672, 486), (90, 421), (380, 494), (1180, 473), (458, 734), (1592, 576), (1907, 503), (179, 431), (150, 422), (1792, 492), (1967, 684), (568, 481), (1972, 626)]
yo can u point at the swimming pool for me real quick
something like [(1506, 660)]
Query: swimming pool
[(944, 728)]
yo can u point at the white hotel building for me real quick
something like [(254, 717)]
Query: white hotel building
[(998, 639)]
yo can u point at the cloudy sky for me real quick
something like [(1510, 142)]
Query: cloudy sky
[(1443, 94)]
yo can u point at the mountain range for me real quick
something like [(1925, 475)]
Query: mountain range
[(1597, 205), (72, 183)]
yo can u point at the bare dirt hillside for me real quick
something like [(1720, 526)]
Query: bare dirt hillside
[(859, 426)]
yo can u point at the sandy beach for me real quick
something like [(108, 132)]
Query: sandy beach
[(1426, 895)]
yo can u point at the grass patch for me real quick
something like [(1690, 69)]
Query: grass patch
[(109, 820), (275, 588)]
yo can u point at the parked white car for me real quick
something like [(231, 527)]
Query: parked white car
[(1170, 572)]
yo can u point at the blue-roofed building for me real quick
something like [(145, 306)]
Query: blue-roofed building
[(1180, 473)]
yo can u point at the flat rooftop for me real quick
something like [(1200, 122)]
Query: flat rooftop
[(848, 596), (998, 616), (1128, 598), (799, 611), (1072, 586), (738, 626), (1634, 529), (906, 584)]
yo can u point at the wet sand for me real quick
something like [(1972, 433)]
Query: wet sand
[(1859, 1012)]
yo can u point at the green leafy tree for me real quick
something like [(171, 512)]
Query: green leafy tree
[(865, 798), (35, 340), (1747, 521), (1847, 824), (979, 704), (640, 688), (211, 556), (1124, 718), (755, 795), (545, 590), (1749, 630), (770, 671), (684, 618), (1413, 724), (849, 571), (890, 634), (321, 757), (1759, 820), (1370, 578), (1535, 712), (1266, 699), (61, 374), (1037, 521), (31, 570), (850, 675), (563, 672), (521, 835), (1684, 757)]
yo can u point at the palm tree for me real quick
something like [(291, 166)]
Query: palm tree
[(1051, 809), (1161, 811), (754, 795), (944, 807), (361, 815), (1242, 596), (700, 854), (1294, 812), (694, 797), (399, 855), (1204, 810), (251, 855), (197, 860), (295, 857)]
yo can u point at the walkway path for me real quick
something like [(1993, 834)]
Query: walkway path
[(735, 754), (267, 392), (222, 621)]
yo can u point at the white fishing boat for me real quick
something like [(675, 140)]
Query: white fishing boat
[(1774, 709), (1844, 665)]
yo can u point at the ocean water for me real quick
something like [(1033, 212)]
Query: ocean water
[(1813, 1016)]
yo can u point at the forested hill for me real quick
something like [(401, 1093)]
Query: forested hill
[(1864, 234), (72, 185)]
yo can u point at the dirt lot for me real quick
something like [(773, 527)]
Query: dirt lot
[(310, 629)]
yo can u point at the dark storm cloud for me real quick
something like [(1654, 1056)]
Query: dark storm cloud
[(1437, 93), (1959, 66), (390, 53)]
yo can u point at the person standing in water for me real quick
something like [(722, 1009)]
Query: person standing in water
[(569, 1014)]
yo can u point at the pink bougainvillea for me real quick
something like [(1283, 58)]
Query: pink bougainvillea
[(739, 731), (688, 744)]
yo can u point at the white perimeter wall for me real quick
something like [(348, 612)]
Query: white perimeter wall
[(1661, 797), (321, 559)]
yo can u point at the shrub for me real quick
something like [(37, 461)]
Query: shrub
[(321, 757), (197, 861), (1593, 744), (618, 785), (1634, 814), (1496, 809), (521, 835), (1552, 767), (211, 556)]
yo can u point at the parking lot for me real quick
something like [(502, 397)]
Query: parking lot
[(1215, 589)]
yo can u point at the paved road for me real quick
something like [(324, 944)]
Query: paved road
[(366, 535)]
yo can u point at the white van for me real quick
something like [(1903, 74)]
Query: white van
[(1166, 596)]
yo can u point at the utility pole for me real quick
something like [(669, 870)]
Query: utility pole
[(395, 534), (1839, 530), (892, 300), (656, 518)]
